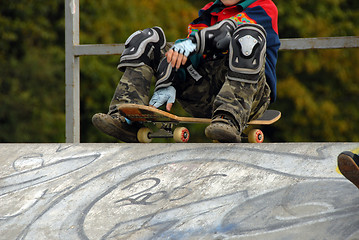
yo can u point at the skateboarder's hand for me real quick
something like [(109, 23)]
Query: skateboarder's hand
[(176, 59), (162, 96), (179, 52)]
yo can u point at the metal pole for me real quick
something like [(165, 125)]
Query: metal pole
[(320, 43), (72, 81), (287, 44)]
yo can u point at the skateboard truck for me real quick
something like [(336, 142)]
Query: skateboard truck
[(179, 134)]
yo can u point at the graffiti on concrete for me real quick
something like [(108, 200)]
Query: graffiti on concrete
[(183, 193)]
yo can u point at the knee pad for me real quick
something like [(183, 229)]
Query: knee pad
[(215, 38), (165, 74), (142, 47), (247, 52)]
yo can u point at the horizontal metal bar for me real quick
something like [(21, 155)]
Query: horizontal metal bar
[(98, 49), (319, 43), (286, 44)]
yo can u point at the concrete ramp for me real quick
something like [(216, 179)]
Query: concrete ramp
[(176, 191)]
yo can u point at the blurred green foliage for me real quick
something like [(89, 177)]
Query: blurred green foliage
[(317, 89)]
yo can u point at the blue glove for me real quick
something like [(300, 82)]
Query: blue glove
[(185, 47), (162, 96)]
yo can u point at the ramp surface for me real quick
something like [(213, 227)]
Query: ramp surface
[(176, 191)]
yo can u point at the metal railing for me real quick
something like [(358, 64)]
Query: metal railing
[(74, 51)]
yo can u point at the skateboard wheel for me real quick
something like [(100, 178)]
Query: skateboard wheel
[(142, 135), (181, 135), (255, 136)]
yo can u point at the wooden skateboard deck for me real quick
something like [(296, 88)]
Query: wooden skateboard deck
[(142, 113)]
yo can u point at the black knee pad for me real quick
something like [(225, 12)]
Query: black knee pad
[(215, 38), (247, 53), (142, 47), (165, 74)]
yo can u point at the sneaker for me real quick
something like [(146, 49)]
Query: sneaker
[(223, 129), (116, 126), (348, 163)]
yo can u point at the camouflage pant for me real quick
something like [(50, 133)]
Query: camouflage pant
[(212, 94)]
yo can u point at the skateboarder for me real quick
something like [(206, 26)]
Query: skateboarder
[(348, 163), (223, 70)]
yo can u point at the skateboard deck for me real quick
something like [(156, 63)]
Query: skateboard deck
[(147, 114)]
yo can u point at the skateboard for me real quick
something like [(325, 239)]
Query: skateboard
[(166, 123)]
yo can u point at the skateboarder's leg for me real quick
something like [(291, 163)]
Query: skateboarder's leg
[(236, 104), (245, 95), (143, 51), (213, 94), (142, 54), (134, 87), (348, 163)]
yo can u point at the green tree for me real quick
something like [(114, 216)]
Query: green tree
[(318, 89), (32, 71)]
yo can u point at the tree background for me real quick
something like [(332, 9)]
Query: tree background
[(317, 89)]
